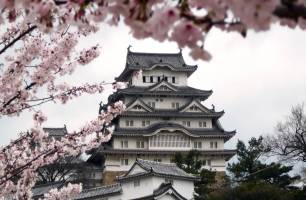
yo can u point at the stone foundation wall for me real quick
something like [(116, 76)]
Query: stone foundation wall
[(220, 179), (109, 177)]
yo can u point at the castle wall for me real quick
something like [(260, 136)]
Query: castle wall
[(137, 122), (114, 162)]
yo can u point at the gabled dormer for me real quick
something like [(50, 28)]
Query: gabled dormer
[(195, 106), (138, 106)]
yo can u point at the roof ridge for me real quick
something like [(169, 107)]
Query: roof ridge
[(152, 53)]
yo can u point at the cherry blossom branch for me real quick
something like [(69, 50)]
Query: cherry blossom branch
[(30, 29)]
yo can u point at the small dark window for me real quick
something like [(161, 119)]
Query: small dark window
[(144, 79), (173, 79), (158, 79), (151, 79), (166, 78)]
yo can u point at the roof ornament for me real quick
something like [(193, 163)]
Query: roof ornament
[(213, 107), (180, 50), (129, 47)]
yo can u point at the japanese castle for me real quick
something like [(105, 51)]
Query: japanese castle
[(163, 116)]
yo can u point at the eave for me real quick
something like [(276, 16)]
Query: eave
[(172, 113)]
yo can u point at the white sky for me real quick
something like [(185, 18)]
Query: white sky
[(256, 80)]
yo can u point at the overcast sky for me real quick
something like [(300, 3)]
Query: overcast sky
[(255, 80)]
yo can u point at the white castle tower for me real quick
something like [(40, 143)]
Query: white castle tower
[(163, 116)]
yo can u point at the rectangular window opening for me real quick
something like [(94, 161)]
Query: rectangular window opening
[(173, 79)]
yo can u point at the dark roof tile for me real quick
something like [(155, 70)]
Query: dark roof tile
[(100, 191)]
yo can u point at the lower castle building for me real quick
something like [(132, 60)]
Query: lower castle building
[(145, 180)]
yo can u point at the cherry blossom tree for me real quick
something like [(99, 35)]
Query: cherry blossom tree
[(38, 44)]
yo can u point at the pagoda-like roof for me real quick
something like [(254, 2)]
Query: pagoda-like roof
[(226, 153), (148, 61), (178, 91), (155, 128), (168, 170)]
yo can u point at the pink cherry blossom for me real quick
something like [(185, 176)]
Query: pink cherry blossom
[(186, 33), (161, 21)]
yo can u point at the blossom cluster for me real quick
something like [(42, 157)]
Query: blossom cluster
[(34, 149), (185, 22)]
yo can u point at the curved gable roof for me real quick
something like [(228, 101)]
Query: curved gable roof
[(158, 169), (198, 104), (138, 101), (163, 189)]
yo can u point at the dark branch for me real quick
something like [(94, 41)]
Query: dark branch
[(17, 38)]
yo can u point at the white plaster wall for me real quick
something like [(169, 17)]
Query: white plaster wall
[(194, 122), (167, 101), (206, 143), (131, 192), (149, 184), (167, 197), (131, 142), (180, 77), (113, 162), (137, 121)]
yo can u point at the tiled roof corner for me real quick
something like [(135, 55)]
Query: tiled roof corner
[(100, 192)]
